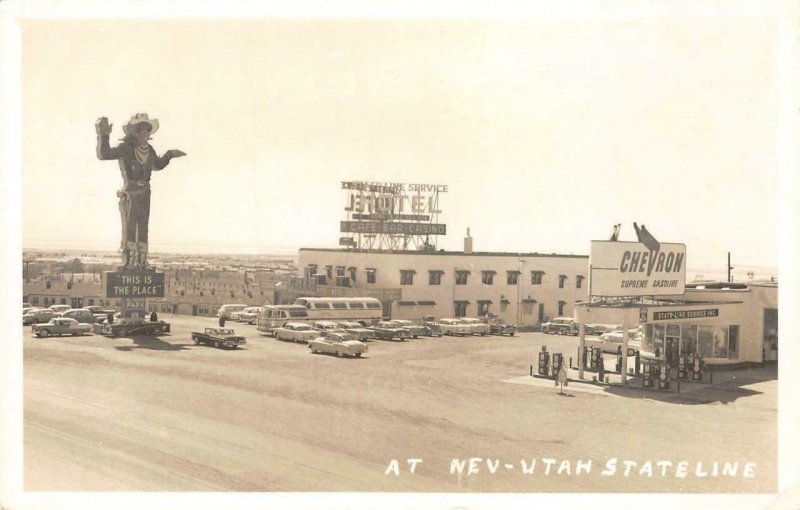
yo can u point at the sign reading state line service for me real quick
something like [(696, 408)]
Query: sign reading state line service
[(134, 284), (629, 269)]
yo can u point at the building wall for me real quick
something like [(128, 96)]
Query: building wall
[(750, 314), (507, 300)]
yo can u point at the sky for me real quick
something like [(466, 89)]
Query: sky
[(546, 130)]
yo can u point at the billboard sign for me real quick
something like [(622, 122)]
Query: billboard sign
[(133, 284), (620, 269)]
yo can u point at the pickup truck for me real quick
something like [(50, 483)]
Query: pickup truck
[(58, 327), (218, 337)]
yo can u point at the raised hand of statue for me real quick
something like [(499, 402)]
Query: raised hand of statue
[(102, 126), (175, 153)]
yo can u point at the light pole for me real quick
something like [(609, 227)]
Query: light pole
[(519, 293)]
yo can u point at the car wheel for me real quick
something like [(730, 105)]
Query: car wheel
[(358, 355), (196, 340), (338, 354), (74, 333), (216, 344), (511, 334), (43, 333)]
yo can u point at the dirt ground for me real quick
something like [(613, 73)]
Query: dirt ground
[(147, 414)]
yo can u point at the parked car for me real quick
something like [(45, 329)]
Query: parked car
[(219, 338), (560, 326), (388, 330), (59, 309), (612, 342), (249, 314), (59, 326), (38, 316), (340, 343), (363, 334), (324, 325), (81, 315), (455, 327), (227, 311), (295, 332), (501, 327), (432, 327), (477, 326), (414, 329)]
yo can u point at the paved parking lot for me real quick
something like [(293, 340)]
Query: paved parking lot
[(147, 414)]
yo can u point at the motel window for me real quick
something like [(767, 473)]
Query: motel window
[(504, 304), (63, 301), (435, 277), (461, 277), (370, 276), (561, 279), (329, 272), (487, 277), (536, 277), (407, 276), (579, 281), (311, 270), (512, 277), (561, 307), (352, 272), (339, 270), (460, 308), (527, 307), (541, 312), (35, 301), (483, 307)]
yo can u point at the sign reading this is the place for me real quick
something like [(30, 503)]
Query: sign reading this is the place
[(133, 284)]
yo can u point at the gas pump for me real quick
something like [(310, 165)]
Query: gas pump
[(558, 362), (597, 357), (683, 367), (698, 368), (544, 361), (663, 377), (648, 374)]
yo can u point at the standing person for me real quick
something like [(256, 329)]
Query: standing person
[(222, 321), (153, 317), (137, 159)]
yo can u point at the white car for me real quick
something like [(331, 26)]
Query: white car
[(325, 325), (414, 330), (612, 342), (363, 334), (249, 314), (455, 327), (296, 332), (339, 343), (59, 309), (477, 327)]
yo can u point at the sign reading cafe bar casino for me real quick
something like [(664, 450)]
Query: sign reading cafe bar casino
[(620, 268)]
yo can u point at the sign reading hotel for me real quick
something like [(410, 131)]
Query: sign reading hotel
[(620, 268), (393, 208), (133, 284)]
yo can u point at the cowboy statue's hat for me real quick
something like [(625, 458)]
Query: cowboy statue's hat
[(140, 118)]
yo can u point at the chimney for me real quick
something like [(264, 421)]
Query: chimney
[(468, 243)]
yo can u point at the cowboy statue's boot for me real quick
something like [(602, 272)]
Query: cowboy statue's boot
[(143, 264), (132, 256)]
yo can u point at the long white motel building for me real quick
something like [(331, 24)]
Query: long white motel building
[(727, 323)]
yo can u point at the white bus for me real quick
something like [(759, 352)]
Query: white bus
[(365, 310), (275, 316)]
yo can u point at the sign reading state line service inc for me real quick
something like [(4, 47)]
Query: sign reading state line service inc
[(133, 284), (630, 269)]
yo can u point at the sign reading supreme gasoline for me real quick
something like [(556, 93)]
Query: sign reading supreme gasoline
[(133, 284), (620, 268)]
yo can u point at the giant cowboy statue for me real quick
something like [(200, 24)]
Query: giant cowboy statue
[(137, 159)]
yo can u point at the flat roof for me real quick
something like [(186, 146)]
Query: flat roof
[(443, 252)]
